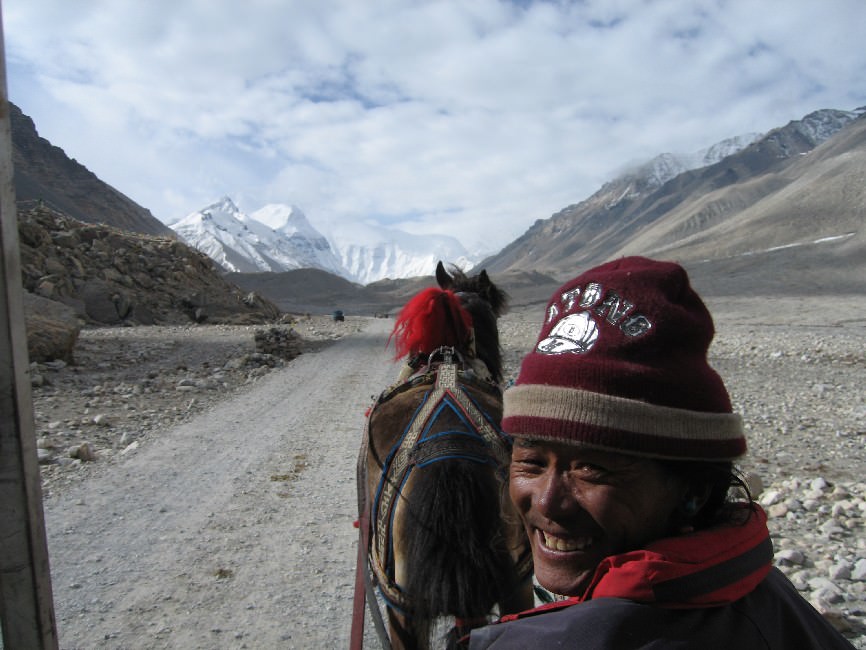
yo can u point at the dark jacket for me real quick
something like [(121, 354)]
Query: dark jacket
[(712, 590)]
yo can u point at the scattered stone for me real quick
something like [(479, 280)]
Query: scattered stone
[(83, 452), (790, 556), (130, 447), (859, 572), (770, 497)]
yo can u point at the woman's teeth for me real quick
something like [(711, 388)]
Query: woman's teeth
[(566, 544)]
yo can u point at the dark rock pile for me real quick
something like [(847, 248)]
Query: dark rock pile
[(280, 342), (107, 276)]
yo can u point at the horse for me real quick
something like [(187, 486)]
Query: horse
[(440, 534)]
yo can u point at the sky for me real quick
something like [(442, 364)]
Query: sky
[(472, 118)]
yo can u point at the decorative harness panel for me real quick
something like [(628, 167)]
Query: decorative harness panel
[(414, 451)]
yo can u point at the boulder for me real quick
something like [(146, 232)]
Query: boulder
[(52, 329)]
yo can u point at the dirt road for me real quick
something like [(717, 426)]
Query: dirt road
[(233, 530)]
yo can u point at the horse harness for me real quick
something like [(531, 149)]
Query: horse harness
[(480, 441)]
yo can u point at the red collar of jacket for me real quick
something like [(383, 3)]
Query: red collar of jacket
[(702, 569)]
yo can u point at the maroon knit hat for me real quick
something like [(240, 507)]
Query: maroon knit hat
[(621, 365)]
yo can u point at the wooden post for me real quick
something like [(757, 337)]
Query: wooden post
[(26, 607)]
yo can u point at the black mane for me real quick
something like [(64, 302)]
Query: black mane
[(486, 303)]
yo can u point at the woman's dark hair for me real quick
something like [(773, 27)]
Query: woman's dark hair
[(717, 479)]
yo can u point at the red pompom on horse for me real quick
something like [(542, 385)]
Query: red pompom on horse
[(432, 319)]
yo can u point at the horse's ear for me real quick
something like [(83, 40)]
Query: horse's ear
[(445, 281), (484, 279)]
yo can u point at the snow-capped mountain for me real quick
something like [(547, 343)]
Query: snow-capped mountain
[(703, 212), (369, 253), (666, 166), (642, 179), (815, 128), (280, 238), (639, 180), (307, 246), (239, 242)]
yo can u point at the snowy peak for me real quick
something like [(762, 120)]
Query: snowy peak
[(821, 125), (810, 131), (723, 149), (238, 242), (222, 215), (286, 219), (369, 253), (666, 166), (279, 237)]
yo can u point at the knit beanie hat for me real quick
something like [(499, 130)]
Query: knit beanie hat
[(621, 365)]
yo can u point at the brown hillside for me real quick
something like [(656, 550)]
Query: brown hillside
[(44, 174)]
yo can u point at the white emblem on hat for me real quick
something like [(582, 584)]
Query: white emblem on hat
[(575, 333)]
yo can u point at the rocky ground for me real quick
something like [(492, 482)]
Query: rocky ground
[(794, 367), (128, 383)]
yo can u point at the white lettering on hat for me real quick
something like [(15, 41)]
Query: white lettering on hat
[(615, 309), (591, 295)]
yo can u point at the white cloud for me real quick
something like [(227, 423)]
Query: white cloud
[(473, 119)]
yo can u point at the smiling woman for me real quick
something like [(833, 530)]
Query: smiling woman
[(622, 474)]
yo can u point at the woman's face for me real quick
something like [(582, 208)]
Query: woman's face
[(580, 506)]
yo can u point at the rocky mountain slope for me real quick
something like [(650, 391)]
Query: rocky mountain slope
[(799, 184), (75, 273), (91, 256), (783, 215), (44, 174), (112, 277)]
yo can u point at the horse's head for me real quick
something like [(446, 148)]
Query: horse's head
[(475, 287), (461, 313)]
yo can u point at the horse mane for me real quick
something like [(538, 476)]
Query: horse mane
[(485, 302), (431, 319)]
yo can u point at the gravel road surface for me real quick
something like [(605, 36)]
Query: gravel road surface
[(233, 530)]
